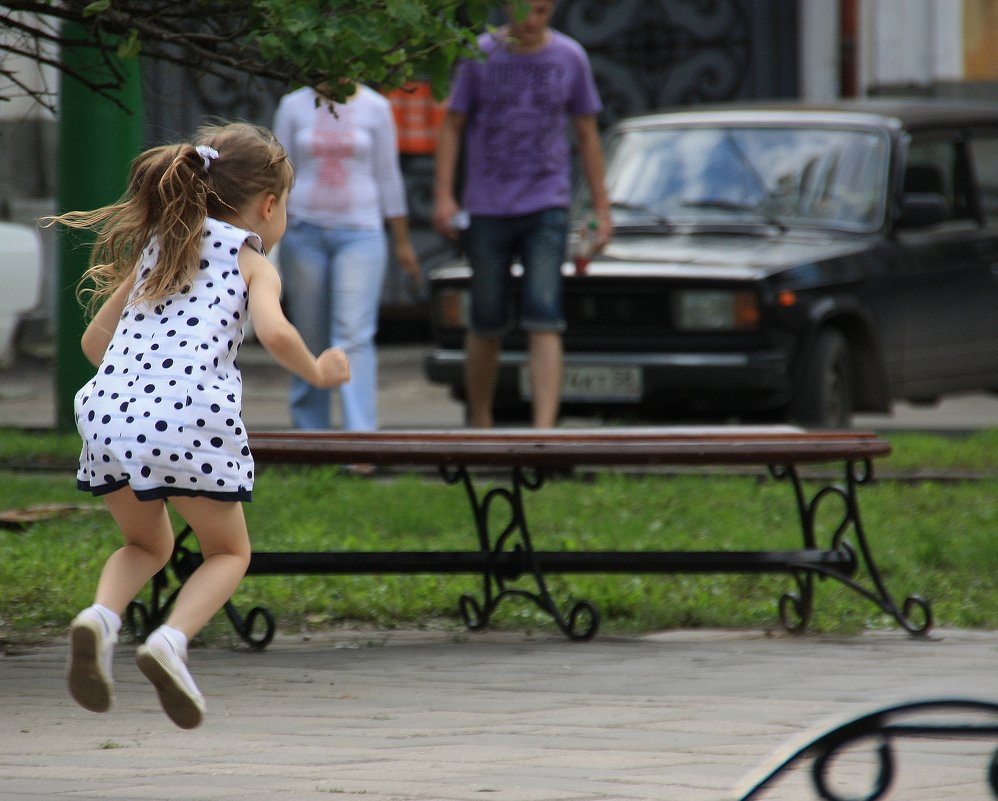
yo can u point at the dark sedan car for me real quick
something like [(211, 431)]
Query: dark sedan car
[(778, 262)]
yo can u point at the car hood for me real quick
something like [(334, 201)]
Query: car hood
[(732, 256)]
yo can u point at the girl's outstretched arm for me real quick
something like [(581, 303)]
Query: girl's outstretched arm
[(100, 329), (278, 335)]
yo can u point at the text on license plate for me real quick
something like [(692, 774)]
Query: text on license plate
[(593, 383)]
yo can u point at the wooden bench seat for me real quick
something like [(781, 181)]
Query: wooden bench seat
[(570, 447), (526, 457)]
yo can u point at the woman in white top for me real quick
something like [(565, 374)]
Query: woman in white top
[(334, 254)]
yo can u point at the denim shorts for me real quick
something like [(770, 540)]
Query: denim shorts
[(491, 244)]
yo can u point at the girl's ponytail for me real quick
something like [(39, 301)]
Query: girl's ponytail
[(179, 200), (171, 190)]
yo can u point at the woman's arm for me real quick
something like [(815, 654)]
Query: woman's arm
[(405, 253)]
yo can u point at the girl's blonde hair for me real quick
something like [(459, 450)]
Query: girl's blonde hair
[(171, 189)]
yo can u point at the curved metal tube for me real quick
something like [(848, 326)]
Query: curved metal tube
[(884, 727)]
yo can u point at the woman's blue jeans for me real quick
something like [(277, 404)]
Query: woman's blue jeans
[(332, 287)]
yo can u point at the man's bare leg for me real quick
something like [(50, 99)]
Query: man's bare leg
[(481, 371), (545, 360)]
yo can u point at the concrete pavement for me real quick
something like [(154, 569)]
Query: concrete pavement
[(440, 715)]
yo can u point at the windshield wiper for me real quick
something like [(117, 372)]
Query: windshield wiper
[(734, 205)]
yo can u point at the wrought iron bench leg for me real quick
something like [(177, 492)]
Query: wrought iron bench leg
[(582, 620), (796, 608)]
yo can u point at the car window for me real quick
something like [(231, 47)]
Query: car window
[(831, 177), (984, 151), (935, 166)]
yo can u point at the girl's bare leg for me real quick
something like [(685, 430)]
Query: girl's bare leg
[(221, 532), (148, 534), (148, 537), (220, 528)]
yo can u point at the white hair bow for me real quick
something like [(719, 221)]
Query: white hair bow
[(207, 154)]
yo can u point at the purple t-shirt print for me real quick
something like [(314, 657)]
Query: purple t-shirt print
[(517, 158)]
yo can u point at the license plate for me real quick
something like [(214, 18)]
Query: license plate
[(593, 383)]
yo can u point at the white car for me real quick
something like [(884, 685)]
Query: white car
[(20, 277)]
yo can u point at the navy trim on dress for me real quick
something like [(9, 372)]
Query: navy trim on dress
[(163, 493)]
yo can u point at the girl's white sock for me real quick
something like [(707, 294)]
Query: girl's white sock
[(111, 619), (177, 637)]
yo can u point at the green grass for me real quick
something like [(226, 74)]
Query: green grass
[(933, 536)]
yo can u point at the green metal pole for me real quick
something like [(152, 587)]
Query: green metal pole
[(97, 142)]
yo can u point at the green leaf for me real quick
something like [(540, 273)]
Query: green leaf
[(96, 7), (406, 11), (130, 47), (396, 57)]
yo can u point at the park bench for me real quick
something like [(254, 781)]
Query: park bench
[(524, 459)]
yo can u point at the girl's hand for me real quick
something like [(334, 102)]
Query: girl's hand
[(334, 368)]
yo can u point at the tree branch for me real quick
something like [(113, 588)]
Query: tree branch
[(298, 42)]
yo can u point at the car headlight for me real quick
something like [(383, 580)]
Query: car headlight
[(715, 310)]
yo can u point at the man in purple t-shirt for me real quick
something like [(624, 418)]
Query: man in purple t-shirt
[(511, 111)]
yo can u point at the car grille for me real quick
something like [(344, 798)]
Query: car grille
[(598, 310)]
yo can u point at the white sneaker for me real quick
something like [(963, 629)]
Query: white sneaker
[(165, 665), (91, 653)]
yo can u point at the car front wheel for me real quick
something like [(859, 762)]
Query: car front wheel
[(825, 395)]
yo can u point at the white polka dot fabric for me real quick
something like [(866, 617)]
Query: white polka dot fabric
[(164, 412)]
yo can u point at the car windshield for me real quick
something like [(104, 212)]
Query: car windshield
[(827, 177)]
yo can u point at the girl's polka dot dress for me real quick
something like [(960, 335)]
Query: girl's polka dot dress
[(164, 412)]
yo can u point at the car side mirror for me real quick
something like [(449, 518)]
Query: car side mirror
[(919, 209)]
